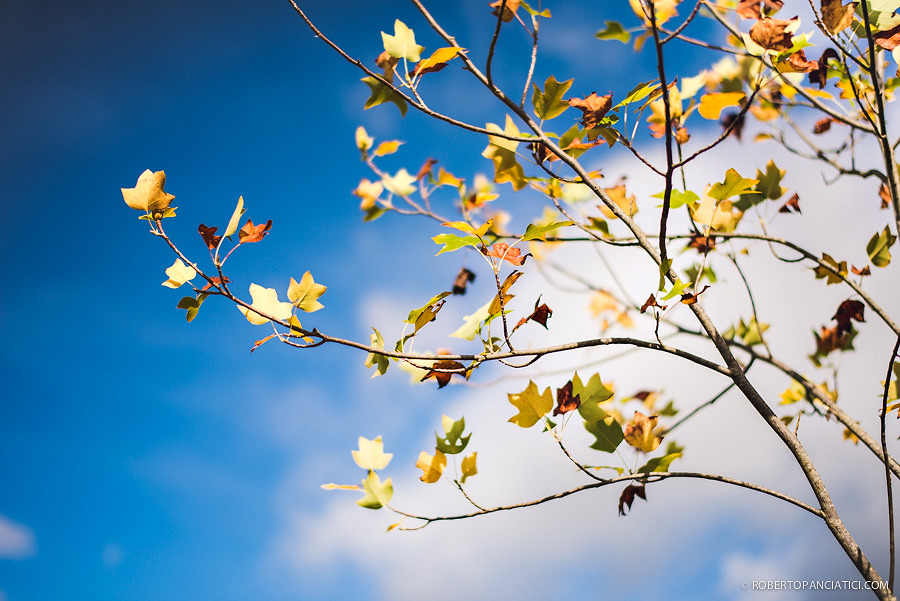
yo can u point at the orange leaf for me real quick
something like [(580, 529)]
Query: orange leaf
[(254, 233)]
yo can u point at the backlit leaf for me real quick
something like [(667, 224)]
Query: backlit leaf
[(639, 433), (613, 31), (548, 103), (381, 93), (371, 455), (432, 466), (468, 467), (712, 104), (235, 220), (304, 294), (265, 300), (378, 493), (878, 248), (403, 43), (179, 273), (531, 404)]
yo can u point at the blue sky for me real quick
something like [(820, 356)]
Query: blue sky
[(147, 458)]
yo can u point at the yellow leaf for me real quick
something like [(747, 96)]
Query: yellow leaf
[(369, 192), (531, 405), (620, 196), (333, 486), (468, 467), (440, 56), (303, 295), (363, 140), (639, 433), (265, 300), (148, 194), (371, 455), (602, 301), (179, 273), (432, 466), (446, 178), (468, 229), (719, 215), (712, 104), (386, 148)]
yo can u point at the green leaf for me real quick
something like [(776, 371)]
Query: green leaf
[(235, 220), (532, 405), (192, 305), (453, 441), (677, 290), (678, 198), (592, 394), (769, 184), (380, 362), (549, 103), (877, 248), (381, 93), (378, 493), (659, 464), (613, 31), (832, 278), (639, 92), (403, 43), (453, 242), (533, 232), (733, 185), (303, 295), (544, 13), (425, 314), (608, 433)]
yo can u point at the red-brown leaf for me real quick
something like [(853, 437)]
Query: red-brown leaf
[(505, 252), (792, 205), (254, 233), (627, 497), (208, 235), (462, 279), (442, 371), (593, 108), (565, 401), (773, 34), (849, 310)]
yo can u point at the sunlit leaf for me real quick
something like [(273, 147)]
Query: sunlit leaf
[(371, 455)]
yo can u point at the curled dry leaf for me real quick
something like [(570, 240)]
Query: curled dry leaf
[(505, 252), (885, 193), (540, 315), (792, 205), (836, 16), (639, 433), (565, 400), (819, 75), (627, 497), (849, 310), (443, 370), (703, 244), (690, 299), (462, 279), (651, 302), (593, 108), (774, 34)]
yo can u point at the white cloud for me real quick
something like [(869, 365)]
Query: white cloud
[(17, 540)]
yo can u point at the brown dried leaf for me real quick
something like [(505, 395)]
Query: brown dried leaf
[(703, 244), (651, 302), (442, 371), (565, 401), (627, 497), (462, 279), (861, 272), (208, 235), (593, 108), (847, 311), (774, 34), (889, 39), (818, 75), (792, 205), (835, 16)]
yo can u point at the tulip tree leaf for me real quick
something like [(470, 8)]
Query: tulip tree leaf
[(878, 248), (468, 467), (303, 295), (548, 103), (432, 466), (381, 93), (659, 464), (371, 455), (613, 31), (532, 405), (378, 493), (235, 220), (607, 432)]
